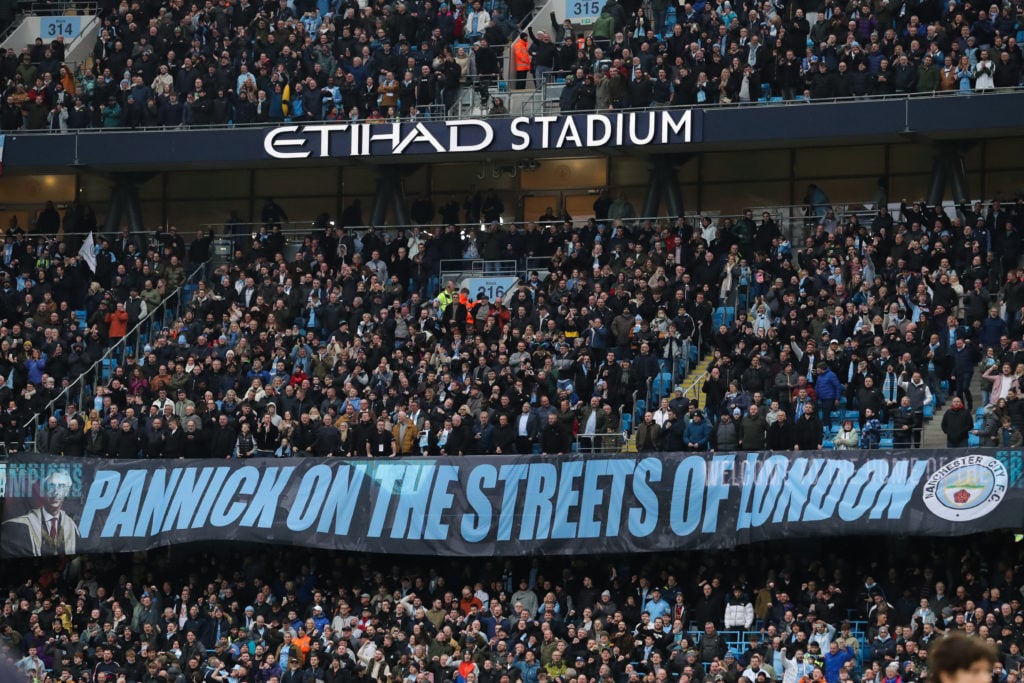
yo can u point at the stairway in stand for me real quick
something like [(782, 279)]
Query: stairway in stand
[(690, 385), (932, 436)]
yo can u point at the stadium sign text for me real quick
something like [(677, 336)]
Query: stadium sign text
[(518, 134), (507, 505)]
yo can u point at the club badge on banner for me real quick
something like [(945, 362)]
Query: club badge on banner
[(506, 505)]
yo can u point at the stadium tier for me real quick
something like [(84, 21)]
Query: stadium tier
[(510, 342)]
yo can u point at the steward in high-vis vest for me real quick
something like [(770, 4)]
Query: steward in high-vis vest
[(521, 61)]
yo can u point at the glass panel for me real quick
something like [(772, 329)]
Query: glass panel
[(565, 174), (753, 165), (848, 190), (193, 185), (628, 171), (459, 179), (813, 163), (731, 198), (190, 215), (910, 187), (29, 189), (580, 206), (152, 188), (295, 182), (998, 184), (1007, 153), (911, 158)]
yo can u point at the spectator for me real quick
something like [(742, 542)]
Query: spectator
[(847, 437), (697, 433), (957, 424)]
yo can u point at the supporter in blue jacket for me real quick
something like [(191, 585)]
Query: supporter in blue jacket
[(828, 390), (835, 658), (992, 328), (697, 433)]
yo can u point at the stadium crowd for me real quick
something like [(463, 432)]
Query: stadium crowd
[(238, 62), (238, 615), (353, 346)]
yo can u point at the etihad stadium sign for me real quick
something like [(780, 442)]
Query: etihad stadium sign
[(577, 132)]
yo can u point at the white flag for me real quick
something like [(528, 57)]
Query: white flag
[(88, 252)]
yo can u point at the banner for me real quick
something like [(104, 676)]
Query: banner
[(506, 505)]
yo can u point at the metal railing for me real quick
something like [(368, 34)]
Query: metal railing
[(82, 390), (461, 113), (58, 7)]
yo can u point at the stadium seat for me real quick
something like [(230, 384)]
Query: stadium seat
[(973, 440), (718, 317), (662, 386), (885, 442)]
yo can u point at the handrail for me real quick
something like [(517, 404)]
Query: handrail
[(600, 442), (695, 387), (305, 226), (453, 114), (45, 9), (781, 213), (96, 367)]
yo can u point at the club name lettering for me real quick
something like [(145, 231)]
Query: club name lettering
[(523, 133)]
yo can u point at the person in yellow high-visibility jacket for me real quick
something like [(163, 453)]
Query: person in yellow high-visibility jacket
[(447, 296)]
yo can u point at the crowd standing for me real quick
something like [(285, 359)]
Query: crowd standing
[(733, 52), (353, 346), (238, 614), (240, 62)]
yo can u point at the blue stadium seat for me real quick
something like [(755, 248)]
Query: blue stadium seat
[(662, 386), (640, 407), (885, 442), (929, 411), (827, 444), (718, 318)]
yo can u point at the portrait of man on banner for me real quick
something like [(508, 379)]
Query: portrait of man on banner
[(46, 529)]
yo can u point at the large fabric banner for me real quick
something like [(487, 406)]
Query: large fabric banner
[(505, 505)]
